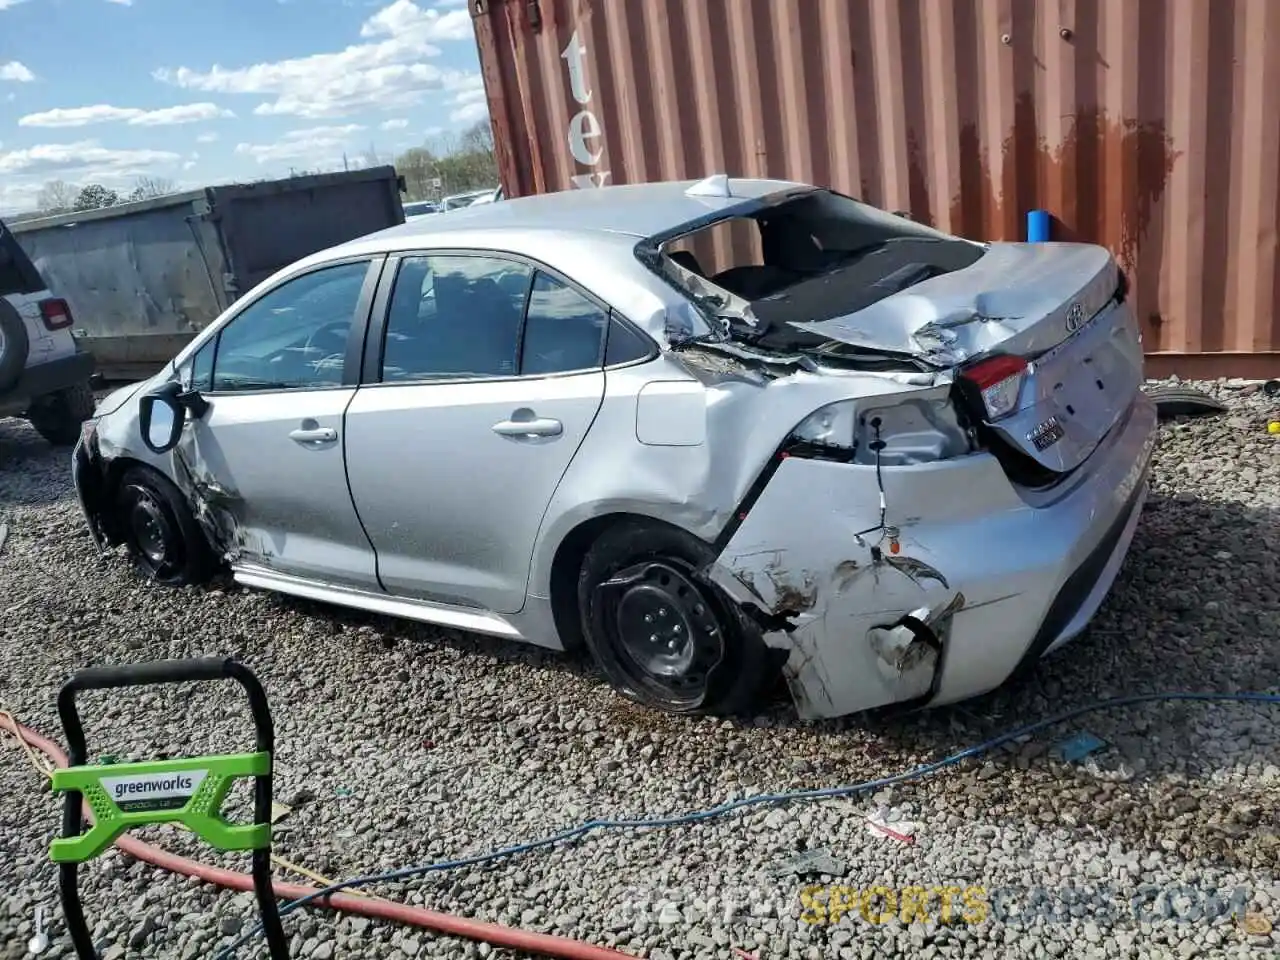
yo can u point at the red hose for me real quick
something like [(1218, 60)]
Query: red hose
[(541, 944)]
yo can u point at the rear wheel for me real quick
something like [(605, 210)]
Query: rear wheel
[(662, 635), (164, 540), (58, 417)]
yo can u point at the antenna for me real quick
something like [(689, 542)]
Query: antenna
[(716, 185)]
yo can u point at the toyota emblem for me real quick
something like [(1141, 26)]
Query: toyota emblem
[(1075, 318)]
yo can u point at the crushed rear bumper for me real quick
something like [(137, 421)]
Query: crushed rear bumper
[(986, 579)]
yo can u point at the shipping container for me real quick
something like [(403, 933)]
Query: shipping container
[(1150, 126), (142, 278)]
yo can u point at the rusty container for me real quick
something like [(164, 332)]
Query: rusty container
[(1150, 126)]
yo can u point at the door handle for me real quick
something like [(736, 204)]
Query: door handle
[(317, 435), (537, 427)]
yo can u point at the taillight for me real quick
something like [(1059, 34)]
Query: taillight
[(56, 314), (999, 381)]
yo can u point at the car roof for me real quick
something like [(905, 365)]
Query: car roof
[(632, 210)]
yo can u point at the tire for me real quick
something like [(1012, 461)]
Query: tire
[(14, 345), (164, 541), (702, 656), (1176, 400), (58, 417)]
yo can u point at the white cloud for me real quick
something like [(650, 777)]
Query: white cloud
[(317, 146), (104, 113), (87, 157), (387, 71), (469, 113), (399, 123), (15, 71), (405, 18), (210, 137), (6, 4), (468, 99), (184, 113), (123, 3)]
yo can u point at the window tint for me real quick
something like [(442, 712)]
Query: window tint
[(202, 367), (563, 330), (295, 336), (454, 316), (625, 345)]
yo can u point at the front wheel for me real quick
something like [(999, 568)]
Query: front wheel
[(164, 540), (660, 633)]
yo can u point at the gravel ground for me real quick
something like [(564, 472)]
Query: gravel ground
[(401, 744)]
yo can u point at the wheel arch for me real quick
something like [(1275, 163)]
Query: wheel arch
[(113, 472), (566, 564)]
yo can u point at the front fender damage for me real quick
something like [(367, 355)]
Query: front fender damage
[(865, 631), (105, 454)]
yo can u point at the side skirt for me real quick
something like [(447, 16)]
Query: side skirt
[(444, 615)]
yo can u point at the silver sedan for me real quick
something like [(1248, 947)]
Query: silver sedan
[(711, 432)]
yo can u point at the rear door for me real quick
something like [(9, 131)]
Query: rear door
[(266, 459), (481, 384)]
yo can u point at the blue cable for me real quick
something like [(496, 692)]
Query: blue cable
[(697, 816)]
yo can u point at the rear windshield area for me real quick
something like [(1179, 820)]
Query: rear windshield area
[(809, 257)]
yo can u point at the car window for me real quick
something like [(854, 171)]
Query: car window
[(563, 330), (454, 316), (625, 345), (295, 337), (202, 368)]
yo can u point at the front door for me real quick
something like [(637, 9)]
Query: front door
[(267, 456), (490, 379)]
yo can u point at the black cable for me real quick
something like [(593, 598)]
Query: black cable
[(877, 445)]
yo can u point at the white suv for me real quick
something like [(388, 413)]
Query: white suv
[(44, 375)]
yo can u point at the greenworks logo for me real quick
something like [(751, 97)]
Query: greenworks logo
[(180, 783), (154, 790)]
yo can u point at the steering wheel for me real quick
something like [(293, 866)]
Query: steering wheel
[(340, 327)]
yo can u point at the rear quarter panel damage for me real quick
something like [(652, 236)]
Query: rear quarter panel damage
[(682, 442), (797, 556)]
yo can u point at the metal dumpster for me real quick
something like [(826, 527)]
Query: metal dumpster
[(142, 278)]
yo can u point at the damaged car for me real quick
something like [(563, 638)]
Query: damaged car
[(710, 432)]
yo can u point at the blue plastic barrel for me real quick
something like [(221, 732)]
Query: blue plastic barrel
[(1037, 226)]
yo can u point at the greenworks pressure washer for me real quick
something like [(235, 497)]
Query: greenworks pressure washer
[(188, 791)]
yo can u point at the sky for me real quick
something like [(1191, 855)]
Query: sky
[(209, 91)]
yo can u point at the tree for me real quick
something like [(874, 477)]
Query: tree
[(95, 195), (462, 162), (417, 166), (147, 187), (478, 138), (56, 196)]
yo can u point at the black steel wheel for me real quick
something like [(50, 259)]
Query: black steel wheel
[(163, 539), (660, 633)]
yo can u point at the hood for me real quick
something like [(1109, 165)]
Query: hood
[(116, 399), (1019, 297)]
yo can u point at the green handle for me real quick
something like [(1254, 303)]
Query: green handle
[(189, 791)]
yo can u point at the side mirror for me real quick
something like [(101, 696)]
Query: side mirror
[(161, 415)]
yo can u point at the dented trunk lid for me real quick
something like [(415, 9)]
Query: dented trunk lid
[(1057, 306)]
